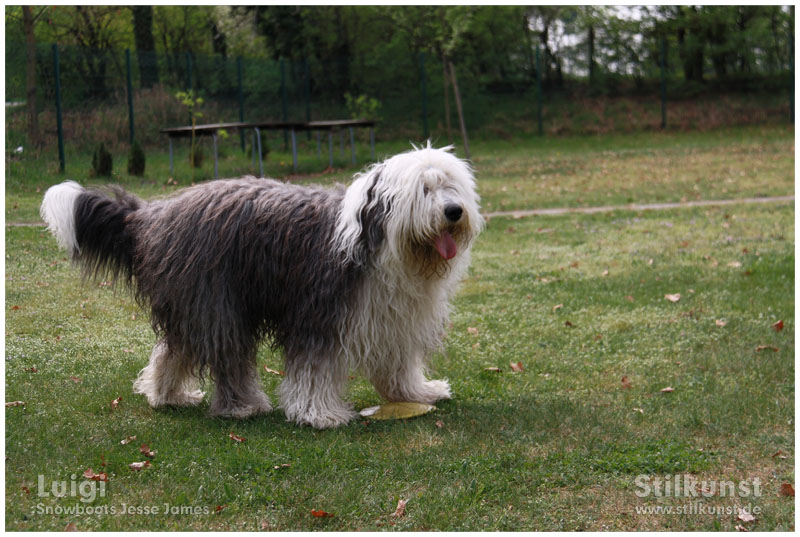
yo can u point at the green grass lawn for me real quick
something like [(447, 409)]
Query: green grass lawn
[(579, 300)]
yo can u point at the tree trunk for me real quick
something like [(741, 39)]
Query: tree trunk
[(30, 76), (591, 55), (445, 78), (145, 45), (460, 111)]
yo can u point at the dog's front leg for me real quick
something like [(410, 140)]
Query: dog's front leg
[(311, 392), (403, 379)]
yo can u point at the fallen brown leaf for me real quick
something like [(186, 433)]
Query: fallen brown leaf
[(236, 438), (739, 527), (557, 307), (493, 369), (320, 514), (744, 516), (668, 389), (76, 380), (777, 326), (673, 297), (734, 264), (471, 330), (629, 298), (439, 424), (626, 383), (279, 373), (71, 527), (567, 323), (401, 509), (136, 466), (516, 367), (31, 369), (720, 322), (766, 347), (115, 403), (15, 403), (279, 466), (219, 508), (639, 410), (145, 450), (127, 440), (89, 474), (779, 454), (787, 489)]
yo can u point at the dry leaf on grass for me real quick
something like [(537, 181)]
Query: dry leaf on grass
[(626, 383), (766, 347), (71, 527), (280, 466), (787, 489), (777, 326), (115, 403), (127, 440), (516, 367), (136, 466), (279, 373), (557, 307), (15, 403), (471, 330), (720, 322), (744, 516), (236, 438), (145, 450), (401, 509), (739, 527), (31, 369), (668, 389), (219, 508), (76, 380), (493, 369), (320, 514), (639, 410), (673, 297), (89, 474), (734, 264)]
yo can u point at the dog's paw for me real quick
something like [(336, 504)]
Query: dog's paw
[(187, 398), (258, 404), (434, 390), (327, 418)]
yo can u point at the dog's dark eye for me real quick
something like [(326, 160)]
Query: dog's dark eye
[(425, 189)]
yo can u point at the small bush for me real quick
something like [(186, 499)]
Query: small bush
[(102, 163), (136, 160)]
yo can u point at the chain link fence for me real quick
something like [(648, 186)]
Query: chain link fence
[(405, 90)]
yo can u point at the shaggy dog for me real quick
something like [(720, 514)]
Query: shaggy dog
[(344, 278)]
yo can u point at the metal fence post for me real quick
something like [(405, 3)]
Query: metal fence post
[(189, 86), (284, 111), (425, 131), (130, 93), (307, 80), (59, 123), (663, 82), (539, 90), (241, 97)]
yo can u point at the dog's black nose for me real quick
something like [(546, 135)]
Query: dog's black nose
[(453, 212)]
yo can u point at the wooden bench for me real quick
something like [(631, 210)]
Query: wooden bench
[(291, 126)]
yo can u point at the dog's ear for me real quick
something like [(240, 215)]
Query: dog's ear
[(372, 218)]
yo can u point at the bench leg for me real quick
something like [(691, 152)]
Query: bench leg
[(216, 154), (294, 152), (341, 143), (171, 165), (260, 160), (330, 149), (372, 142), (319, 147), (352, 146)]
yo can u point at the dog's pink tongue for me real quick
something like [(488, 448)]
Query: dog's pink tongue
[(445, 245)]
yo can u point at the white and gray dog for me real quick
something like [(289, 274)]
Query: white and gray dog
[(344, 278)]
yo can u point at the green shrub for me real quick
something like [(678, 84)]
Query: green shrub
[(136, 160), (102, 163)]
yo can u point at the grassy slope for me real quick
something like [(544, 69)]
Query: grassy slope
[(554, 447)]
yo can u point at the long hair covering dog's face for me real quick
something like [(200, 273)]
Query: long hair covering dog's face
[(420, 207)]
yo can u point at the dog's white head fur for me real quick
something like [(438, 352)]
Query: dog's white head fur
[(428, 202)]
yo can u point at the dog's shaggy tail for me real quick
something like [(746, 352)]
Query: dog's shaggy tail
[(93, 227)]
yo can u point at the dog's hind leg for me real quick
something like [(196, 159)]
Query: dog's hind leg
[(167, 381), (402, 379), (238, 392), (311, 392)]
